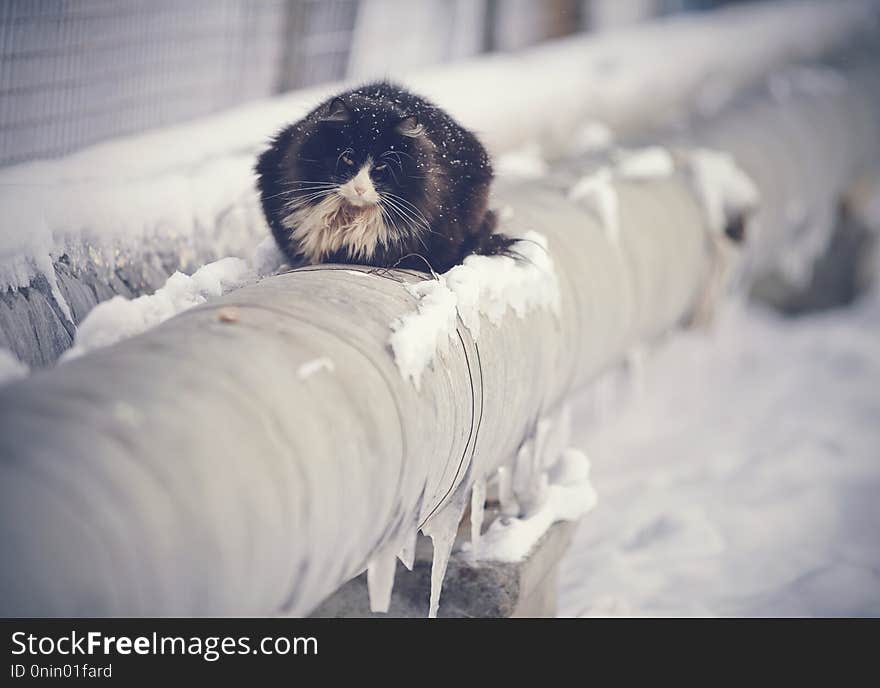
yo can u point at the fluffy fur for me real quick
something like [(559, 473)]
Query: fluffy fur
[(381, 177)]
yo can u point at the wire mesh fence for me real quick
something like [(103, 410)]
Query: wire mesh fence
[(76, 72)]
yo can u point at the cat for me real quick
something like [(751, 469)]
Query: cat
[(379, 176)]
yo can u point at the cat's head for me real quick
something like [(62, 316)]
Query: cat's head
[(357, 176), (367, 151)]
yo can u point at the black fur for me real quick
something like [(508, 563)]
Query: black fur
[(436, 165)]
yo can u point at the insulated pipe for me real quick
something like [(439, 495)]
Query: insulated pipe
[(194, 469)]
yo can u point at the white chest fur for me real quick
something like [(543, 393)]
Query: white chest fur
[(334, 225)]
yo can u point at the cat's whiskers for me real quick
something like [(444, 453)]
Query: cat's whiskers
[(305, 199), (413, 216), (410, 206), (411, 223)]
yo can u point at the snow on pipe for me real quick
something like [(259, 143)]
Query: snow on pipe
[(196, 470)]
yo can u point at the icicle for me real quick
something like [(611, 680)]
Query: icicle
[(599, 194), (45, 265), (478, 504), (380, 577), (407, 554), (542, 435), (509, 506), (442, 528)]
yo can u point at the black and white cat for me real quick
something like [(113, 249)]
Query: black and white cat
[(381, 177)]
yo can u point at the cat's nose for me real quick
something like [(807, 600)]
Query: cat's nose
[(360, 190)]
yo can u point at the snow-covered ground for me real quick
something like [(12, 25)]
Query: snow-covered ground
[(740, 477)]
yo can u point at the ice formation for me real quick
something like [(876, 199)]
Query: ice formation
[(597, 192), (481, 286), (568, 496), (547, 481), (407, 554), (478, 504), (120, 318), (722, 187), (442, 528), (316, 365), (10, 367), (380, 577)]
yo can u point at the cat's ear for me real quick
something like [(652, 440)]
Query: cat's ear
[(410, 126), (337, 111)]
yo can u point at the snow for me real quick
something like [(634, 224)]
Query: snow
[(120, 318), (487, 286), (596, 192), (316, 365), (418, 337), (267, 258), (548, 481), (724, 190), (491, 286), (10, 367), (743, 481), (569, 495), (524, 163), (652, 162)]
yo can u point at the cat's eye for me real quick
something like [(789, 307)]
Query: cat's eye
[(381, 167), (348, 161)]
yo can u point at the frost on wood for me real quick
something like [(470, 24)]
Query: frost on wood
[(481, 286), (724, 190), (120, 318), (10, 367), (316, 365)]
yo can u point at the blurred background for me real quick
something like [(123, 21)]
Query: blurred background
[(76, 72)]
